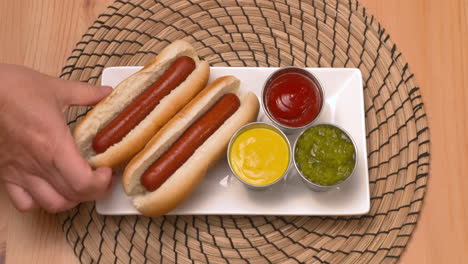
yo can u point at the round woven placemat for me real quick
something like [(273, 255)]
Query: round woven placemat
[(318, 33)]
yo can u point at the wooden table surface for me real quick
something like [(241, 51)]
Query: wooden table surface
[(433, 36)]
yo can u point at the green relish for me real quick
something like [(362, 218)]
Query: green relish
[(325, 155)]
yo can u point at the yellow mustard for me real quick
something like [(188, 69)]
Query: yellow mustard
[(259, 156)]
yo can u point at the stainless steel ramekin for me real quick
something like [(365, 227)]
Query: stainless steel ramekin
[(276, 74), (252, 126), (312, 185)]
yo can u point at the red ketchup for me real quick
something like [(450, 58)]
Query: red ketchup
[(293, 99)]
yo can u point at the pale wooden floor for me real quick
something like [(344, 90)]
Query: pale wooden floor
[(433, 36)]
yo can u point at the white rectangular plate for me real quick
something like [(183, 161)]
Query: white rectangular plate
[(220, 193)]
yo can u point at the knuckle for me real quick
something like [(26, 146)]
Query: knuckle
[(87, 90), (24, 207), (57, 206), (69, 206), (82, 186), (44, 142)]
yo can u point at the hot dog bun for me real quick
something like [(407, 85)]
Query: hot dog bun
[(180, 184), (128, 90)]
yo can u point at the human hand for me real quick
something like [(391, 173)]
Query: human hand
[(39, 162)]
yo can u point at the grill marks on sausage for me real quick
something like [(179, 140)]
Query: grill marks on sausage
[(141, 106), (190, 140)]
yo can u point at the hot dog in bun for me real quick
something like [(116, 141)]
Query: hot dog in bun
[(121, 124), (171, 165)]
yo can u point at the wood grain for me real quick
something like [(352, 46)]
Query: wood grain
[(3, 223), (433, 36), (41, 35)]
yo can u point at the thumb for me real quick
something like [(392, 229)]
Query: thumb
[(78, 93)]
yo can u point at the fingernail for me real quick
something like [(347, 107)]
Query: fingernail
[(105, 90)]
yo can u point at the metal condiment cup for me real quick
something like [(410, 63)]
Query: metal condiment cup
[(252, 126), (312, 185), (276, 74)]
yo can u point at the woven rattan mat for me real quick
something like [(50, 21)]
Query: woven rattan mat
[(319, 33)]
